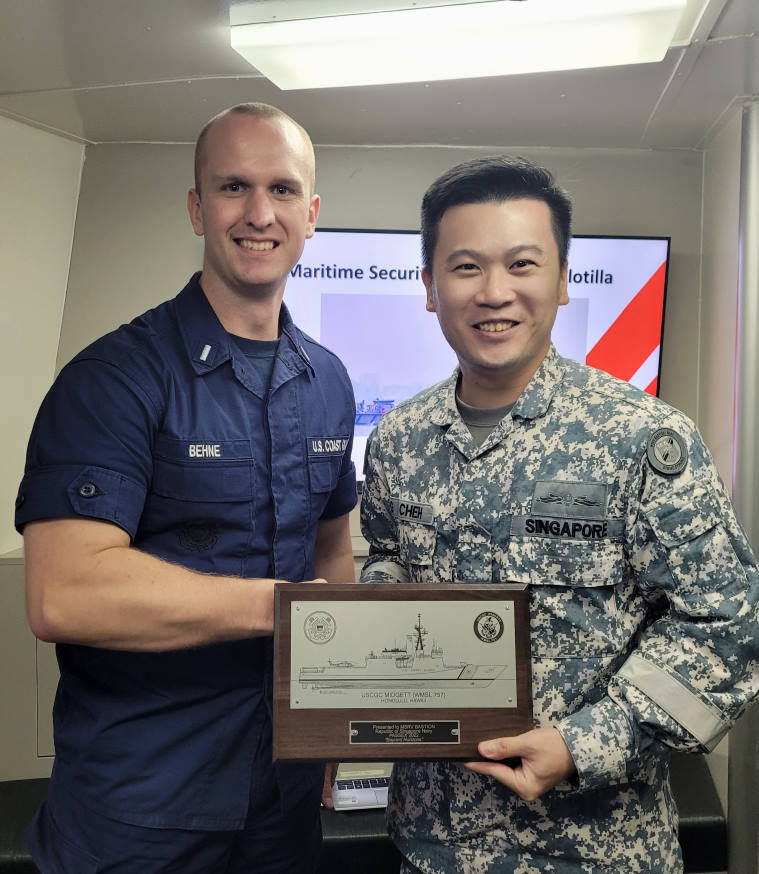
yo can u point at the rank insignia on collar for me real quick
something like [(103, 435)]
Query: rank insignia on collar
[(666, 452)]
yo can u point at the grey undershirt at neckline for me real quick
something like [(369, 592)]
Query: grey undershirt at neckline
[(481, 420)]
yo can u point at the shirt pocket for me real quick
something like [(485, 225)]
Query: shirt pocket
[(417, 550), (576, 591), (325, 459), (690, 531), (204, 501), (323, 473), (584, 613), (210, 472), (218, 483), (679, 519)]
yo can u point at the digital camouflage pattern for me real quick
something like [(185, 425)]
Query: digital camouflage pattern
[(643, 601)]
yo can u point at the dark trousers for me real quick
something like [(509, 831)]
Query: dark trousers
[(73, 839)]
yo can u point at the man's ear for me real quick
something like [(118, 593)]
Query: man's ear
[(563, 287), (313, 214), (430, 286), (193, 208)]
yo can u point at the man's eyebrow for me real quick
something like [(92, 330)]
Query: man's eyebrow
[(463, 253), (519, 249), (217, 178), (525, 248), (295, 184), (288, 182)]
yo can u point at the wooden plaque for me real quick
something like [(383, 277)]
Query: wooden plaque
[(386, 671)]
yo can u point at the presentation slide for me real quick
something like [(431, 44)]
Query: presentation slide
[(360, 294)]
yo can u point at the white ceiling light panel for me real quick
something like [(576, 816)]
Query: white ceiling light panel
[(450, 41)]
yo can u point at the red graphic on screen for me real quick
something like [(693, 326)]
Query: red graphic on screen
[(635, 333)]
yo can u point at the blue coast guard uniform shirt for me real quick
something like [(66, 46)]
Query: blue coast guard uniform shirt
[(165, 429)]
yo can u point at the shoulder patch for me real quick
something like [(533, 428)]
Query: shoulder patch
[(666, 452)]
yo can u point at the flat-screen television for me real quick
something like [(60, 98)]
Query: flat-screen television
[(360, 293)]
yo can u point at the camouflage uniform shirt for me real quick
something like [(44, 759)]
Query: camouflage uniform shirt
[(643, 605)]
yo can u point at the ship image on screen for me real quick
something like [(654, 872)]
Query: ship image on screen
[(360, 294)]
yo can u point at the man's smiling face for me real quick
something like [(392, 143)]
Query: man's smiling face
[(255, 206), (496, 284)]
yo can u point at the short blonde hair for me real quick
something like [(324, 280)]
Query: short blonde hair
[(257, 110)]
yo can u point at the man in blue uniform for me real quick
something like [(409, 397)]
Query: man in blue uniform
[(531, 468), (175, 471)]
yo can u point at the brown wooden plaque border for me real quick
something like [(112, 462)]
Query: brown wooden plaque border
[(324, 734)]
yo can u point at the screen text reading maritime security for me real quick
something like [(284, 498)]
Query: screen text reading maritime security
[(333, 271)]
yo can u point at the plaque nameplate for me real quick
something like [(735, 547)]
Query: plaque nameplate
[(399, 670), (441, 732)]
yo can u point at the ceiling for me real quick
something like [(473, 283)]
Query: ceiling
[(104, 71)]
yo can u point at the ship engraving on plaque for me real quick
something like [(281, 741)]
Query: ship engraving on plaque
[(414, 664), (474, 666)]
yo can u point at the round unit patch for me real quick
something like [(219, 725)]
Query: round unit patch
[(666, 452), (320, 626), (488, 627)]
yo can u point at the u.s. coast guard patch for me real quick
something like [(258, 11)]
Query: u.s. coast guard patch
[(666, 451)]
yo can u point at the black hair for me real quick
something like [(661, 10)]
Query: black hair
[(494, 179)]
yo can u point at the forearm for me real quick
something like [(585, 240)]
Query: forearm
[(333, 553), (86, 585), (337, 569)]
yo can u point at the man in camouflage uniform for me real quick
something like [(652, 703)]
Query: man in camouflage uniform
[(531, 468)]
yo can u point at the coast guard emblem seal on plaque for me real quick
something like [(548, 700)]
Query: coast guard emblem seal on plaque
[(320, 627)]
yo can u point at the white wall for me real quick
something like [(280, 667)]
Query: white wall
[(134, 245), (28, 676), (39, 180), (719, 294)]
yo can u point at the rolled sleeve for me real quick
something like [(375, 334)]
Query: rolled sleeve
[(343, 498), (90, 491), (90, 450)]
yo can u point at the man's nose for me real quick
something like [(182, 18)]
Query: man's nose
[(259, 211), (496, 288)]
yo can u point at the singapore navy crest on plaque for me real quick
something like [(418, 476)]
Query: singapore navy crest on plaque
[(488, 627)]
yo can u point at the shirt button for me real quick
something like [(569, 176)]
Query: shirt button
[(88, 490), (20, 501)]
